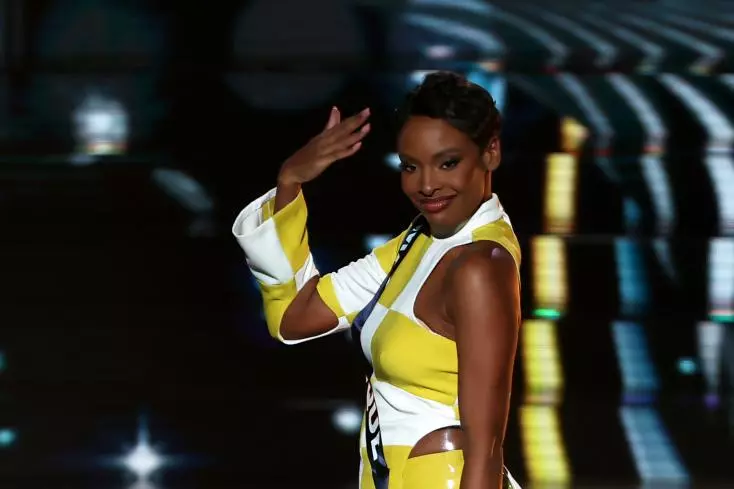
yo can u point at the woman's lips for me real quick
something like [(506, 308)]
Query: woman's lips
[(435, 205)]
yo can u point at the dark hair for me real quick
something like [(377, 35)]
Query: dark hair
[(449, 96)]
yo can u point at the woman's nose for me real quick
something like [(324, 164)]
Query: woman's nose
[(429, 183)]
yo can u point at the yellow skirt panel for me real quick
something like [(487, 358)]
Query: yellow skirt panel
[(432, 471)]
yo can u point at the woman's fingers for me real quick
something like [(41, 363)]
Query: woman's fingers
[(348, 140), (346, 127), (334, 119), (346, 152)]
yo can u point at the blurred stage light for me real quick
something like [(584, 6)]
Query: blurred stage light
[(593, 112), (143, 484), (639, 378), (721, 169), (474, 6), (721, 279), (550, 285), (719, 145), (634, 293), (347, 419), (661, 248), (544, 451), (393, 161), (632, 213), (559, 51), (143, 460), (541, 362), (655, 456), (547, 313), (191, 195), (417, 77), (488, 44), (687, 366), (656, 134), (653, 53), (487, 75), (101, 126), (93, 45), (711, 55), (372, 241), (710, 351), (561, 180), (595, 115), (542, 437), (439, 51), (573, 135), (7, 437), (651, 163), (606, 51)]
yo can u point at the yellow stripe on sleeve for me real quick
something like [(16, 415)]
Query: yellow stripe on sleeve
[(290, 223), (276, 299), (326, 291), (267, 209)]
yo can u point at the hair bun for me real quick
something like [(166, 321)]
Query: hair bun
[(452, 97), (446, 82)]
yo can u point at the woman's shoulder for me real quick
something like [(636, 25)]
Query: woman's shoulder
[(481, 264), (497, 234)]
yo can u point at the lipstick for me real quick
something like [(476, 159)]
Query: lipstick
[(436, 205)]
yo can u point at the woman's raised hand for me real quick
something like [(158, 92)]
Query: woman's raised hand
[(339, 140)]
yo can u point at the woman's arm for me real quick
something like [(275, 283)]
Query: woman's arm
[(272, 233), (299, 303), (484, 305)]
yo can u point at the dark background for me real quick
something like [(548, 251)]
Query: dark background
[(126, 311)]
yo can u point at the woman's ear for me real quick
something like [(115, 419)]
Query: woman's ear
[(492, 154)]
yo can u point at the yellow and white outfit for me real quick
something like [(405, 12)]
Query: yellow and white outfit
[(415, 370)]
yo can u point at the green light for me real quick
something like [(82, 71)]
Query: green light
[(722, 318), (547, 313)]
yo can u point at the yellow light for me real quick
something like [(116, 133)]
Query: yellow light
[(541, 362), (560, 193), (548, 258), (545, 453), (573, 135)]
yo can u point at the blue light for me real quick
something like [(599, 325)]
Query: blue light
[(655, 455), (494, 83), (372, 241), (632, 213), (393, 161), (639, 378), (687, 366), (633, 287), (7, 437)]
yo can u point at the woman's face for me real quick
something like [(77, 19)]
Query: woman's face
[(444, 173)]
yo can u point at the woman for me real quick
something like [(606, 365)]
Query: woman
[(442, 333)]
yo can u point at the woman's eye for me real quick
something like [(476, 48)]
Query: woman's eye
[(406, 167), (451, 163)]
